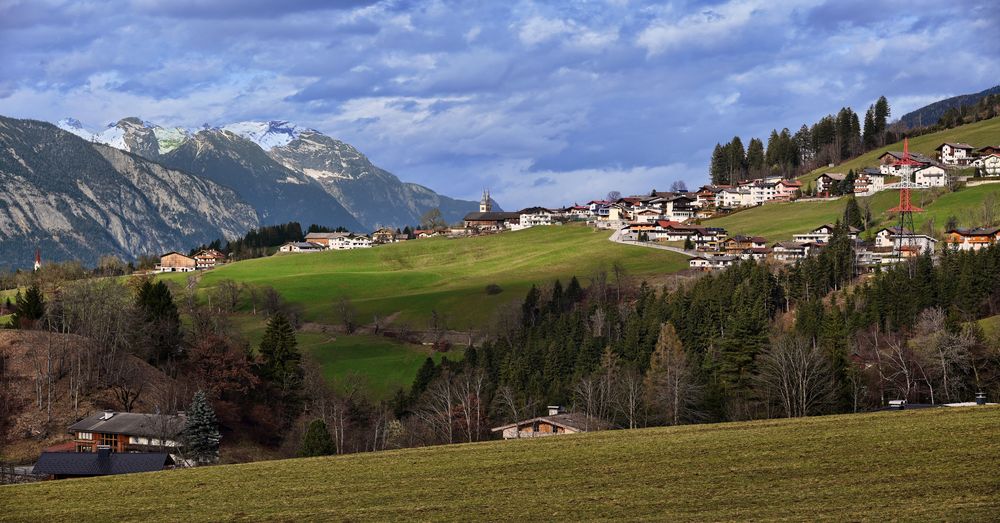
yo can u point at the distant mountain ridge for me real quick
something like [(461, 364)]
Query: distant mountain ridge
[(931, 113), (372, 196), (75, 199)]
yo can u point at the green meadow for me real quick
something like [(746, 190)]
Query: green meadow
[(921, 465), (411, 279)]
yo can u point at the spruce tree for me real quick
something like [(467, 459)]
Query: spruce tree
[(852, 214), (317, 440), (201, 431), (280, 355), (160, 332), (30, 308)]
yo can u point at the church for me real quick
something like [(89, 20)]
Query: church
[(488, 220)]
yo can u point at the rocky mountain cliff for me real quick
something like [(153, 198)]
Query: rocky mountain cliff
[(76, 199), (279, 194), (374, 196), (277, 165)]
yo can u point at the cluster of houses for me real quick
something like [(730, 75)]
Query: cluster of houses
[(928, 172), (715, 249)]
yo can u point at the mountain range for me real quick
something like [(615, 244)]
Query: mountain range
[(138, 188), (931, 113)]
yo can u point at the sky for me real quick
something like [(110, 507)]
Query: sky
[(544, 103)]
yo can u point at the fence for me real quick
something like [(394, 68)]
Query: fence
[(9, 475)]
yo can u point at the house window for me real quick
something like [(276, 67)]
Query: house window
[(110, 440), (84, 435)]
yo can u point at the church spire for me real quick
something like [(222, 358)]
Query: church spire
[(485, 205)]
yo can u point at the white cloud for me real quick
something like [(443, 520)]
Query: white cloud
[(537, 29)]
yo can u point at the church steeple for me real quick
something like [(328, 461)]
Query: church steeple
[(485, 205)]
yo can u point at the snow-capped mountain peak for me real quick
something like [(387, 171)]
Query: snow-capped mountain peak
[(74, 126), (267, 135)]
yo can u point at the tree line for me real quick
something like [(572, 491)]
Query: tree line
[(833, 139)]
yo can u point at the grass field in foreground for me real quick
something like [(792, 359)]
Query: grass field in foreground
[(934, 464), (779, 221), (979, 134), (447, 275)]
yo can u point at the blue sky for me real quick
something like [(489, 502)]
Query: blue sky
[(543, 102)]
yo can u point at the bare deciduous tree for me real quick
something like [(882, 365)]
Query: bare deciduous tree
[(671, 390), (796, 375)]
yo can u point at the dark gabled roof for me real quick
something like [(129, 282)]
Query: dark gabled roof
[(913, 156), (132, 423), (99, 464), (535, 210), (954, 145), (491, 216)]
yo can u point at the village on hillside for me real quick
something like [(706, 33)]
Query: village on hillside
[(673, 219)]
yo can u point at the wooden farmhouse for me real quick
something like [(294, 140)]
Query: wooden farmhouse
[(176, 262), (208, 259), (128, 432), (972, 239), (557, 422)]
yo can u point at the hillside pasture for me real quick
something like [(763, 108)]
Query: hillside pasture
[(923, 465), (411, 279), (979, 134)]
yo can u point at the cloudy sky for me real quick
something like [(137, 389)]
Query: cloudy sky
[(543, 102)]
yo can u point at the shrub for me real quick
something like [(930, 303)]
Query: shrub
[(493, 289)]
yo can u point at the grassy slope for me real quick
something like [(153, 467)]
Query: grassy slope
[(382, 363), (779, 221), (413, 278), (936, 464), (979, 134)]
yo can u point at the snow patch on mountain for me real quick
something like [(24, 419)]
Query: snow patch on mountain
[(274, 133), (114, 136)]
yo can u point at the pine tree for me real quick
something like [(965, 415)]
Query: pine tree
[(428, 371), (852, 214), (755, 157), (160, 334), (201, 431), (280, 356), (719, 168), (688, 244), (881, 117), (30, 308), (317, 440)]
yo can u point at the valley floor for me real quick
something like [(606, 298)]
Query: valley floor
[(933, 464)]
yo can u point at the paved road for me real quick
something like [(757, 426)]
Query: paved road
[(617, 238)]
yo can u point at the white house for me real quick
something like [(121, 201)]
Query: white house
[(350, 241), (763, 192), (988, 165), (955, 153), (869, 181), (930, 176), (708, 262), (534, 216), (822, 234), (790, 251), (734, 198), (301, 247)]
